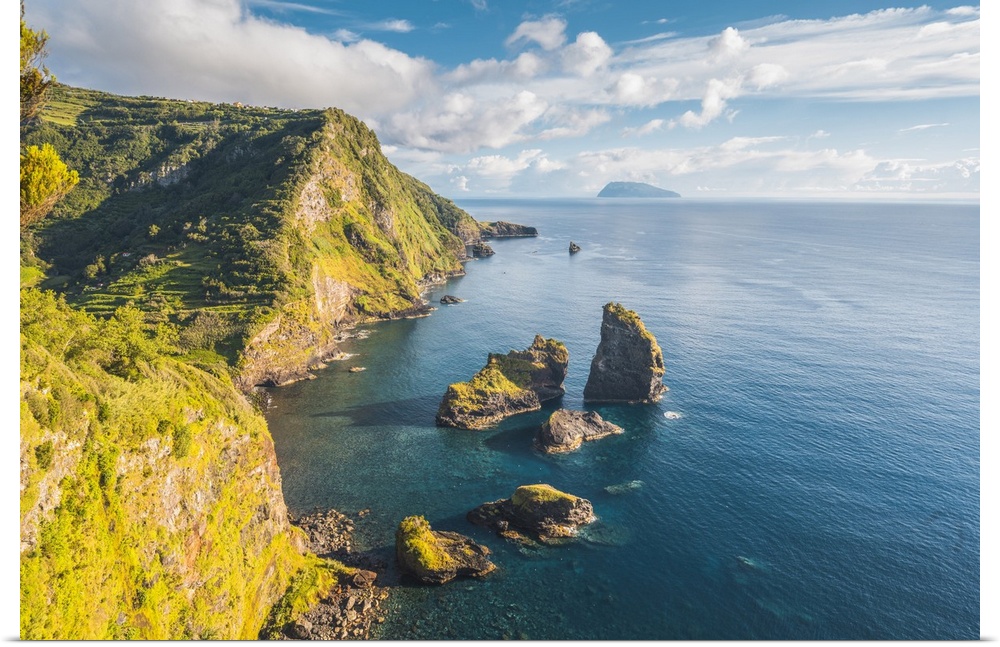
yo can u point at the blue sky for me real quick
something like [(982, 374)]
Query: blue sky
[(558, 97)]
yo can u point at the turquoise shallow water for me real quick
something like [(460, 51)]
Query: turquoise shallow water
[(820, 482)]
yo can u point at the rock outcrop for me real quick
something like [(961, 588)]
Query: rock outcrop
[(573, 247), (509, 384), (501, 229), (540, 510), (628, 365), (436, 557), (566, 430), (449, 299), (481, 250)]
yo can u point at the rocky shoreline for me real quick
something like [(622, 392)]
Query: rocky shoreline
[(354, 607)]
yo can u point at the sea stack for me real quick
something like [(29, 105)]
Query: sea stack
[(628, 365), (573, 247), (540, 510), (436, 557), (566, 430), (509, 384)]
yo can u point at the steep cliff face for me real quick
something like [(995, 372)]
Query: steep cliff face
[(368, 236), (151, 507), (273, 226), (628, 364)]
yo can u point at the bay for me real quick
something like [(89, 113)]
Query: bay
[(817, 476)]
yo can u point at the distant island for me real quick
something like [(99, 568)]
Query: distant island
[(635, 190)]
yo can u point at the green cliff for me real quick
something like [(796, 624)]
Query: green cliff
[(256, 229), (207, 248)]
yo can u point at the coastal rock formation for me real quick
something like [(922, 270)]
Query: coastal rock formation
[(448, 299), (501, 229), (566, 430), (573, 247), (481, 250), (436, 557), (539, 510), (509, 384), (628, 365)]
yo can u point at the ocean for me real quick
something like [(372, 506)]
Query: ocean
[(812, 473)]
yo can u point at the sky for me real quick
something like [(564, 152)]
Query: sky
[(483, 98)]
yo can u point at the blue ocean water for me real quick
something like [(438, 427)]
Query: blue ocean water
[(817, 479)]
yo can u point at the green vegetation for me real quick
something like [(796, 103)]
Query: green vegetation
[(629, 317), (419, 548), (202, 244), (45, 179), (35, 78), (315, 580), (114, 541), (249, 214), (530, 496)]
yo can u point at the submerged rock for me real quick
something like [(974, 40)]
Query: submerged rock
[(624, 488), (573, 247), (539, 510), (509, 384), (501, 229), (481, 249), (436, 557), (566, 430), (628, 365)]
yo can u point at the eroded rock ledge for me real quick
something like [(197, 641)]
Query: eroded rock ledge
[(438, 556), (540, 510), (628, 365), (502, 229), (509, 384), (566, 430)]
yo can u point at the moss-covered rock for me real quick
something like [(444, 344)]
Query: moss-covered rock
[(540, 510), (509, 384), (628, 365), (436, 557)]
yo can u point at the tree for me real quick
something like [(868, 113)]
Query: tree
[(35, 79), (45, 179)]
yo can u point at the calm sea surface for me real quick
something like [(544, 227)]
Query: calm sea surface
[(820, 482)]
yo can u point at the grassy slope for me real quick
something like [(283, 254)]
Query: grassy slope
[(186, 208)]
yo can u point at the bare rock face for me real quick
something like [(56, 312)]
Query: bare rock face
[(628, 366), (539, 510), (481, 250), (502, 229), (509, 384), (566, 430), (436, 557)]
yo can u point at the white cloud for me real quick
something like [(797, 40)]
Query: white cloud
[(819, 134), (922, 127), (462, 124), (220, 51), (906, 175), (586, 55), (651, 126), (631, 89), (393, 25), (571, 123), (728, 45), (713, 103), (479, 5), (549, 33)]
